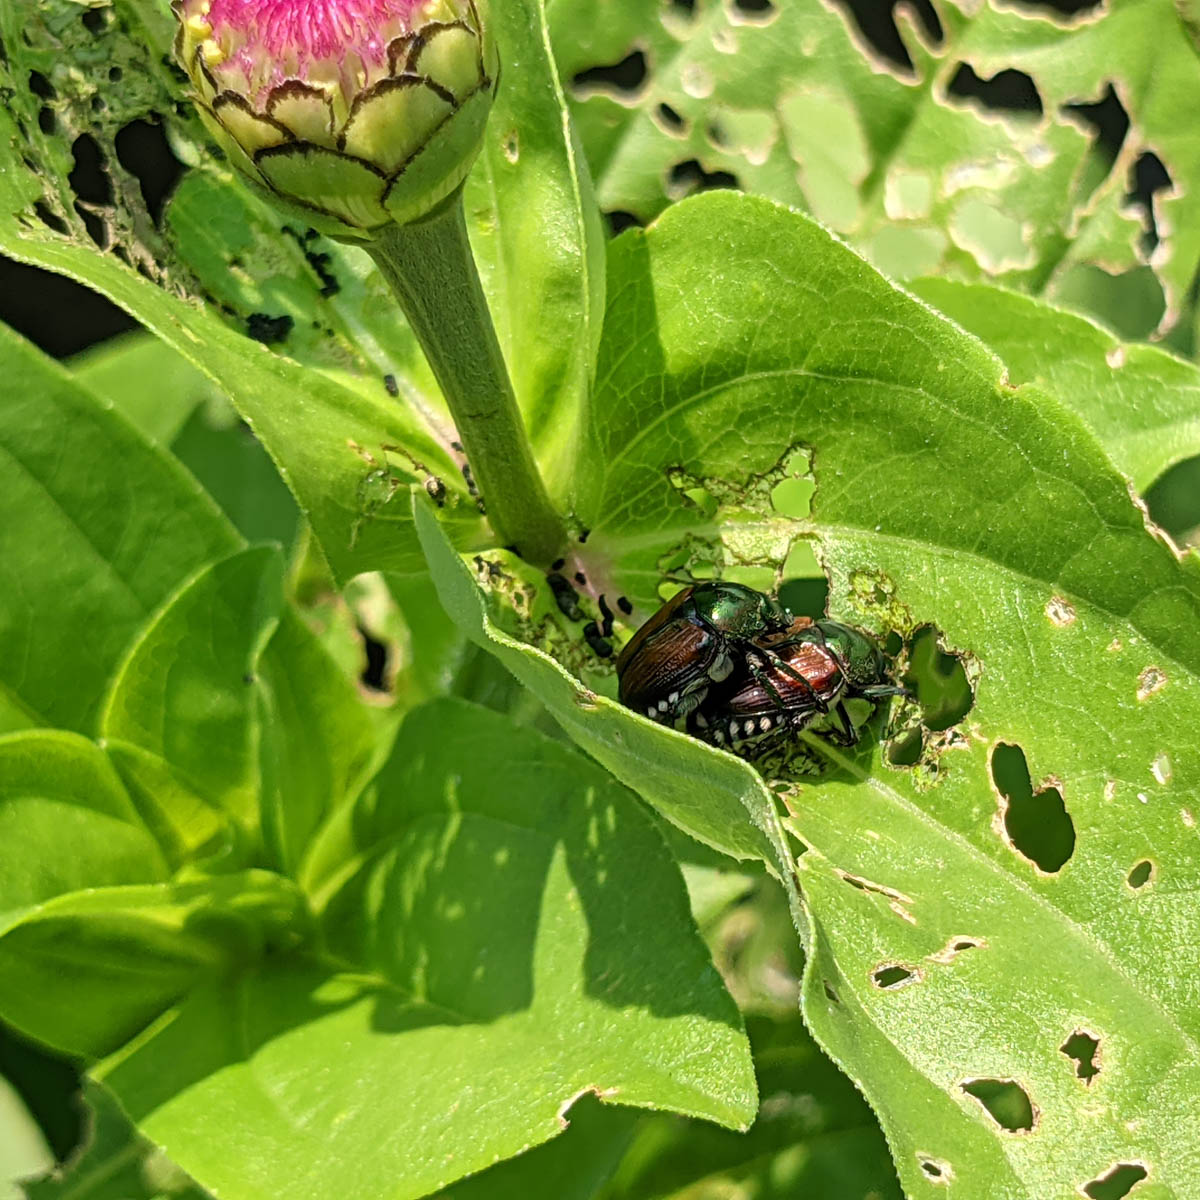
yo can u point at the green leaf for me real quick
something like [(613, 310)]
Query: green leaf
[(114, 1163), (925, 174), (573, 1166), (1142, 404), (147, 381), (232, 466), (537, 236), (66, 823), (133, 951), (98, 529), (185, 692), (489, 979), (943, 497), (814, 1136), (185, 825), (328, 441), (317, 739)]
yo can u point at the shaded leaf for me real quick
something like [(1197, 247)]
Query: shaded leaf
[(132, 952), (185, 692), (317, 740), (489, 980), (99, 528), (814, 1136), (114, 1163), (66, 823), (151, 385)]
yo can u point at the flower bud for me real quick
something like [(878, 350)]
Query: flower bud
[(357, 112)]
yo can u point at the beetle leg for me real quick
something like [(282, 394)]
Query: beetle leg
[(848, 735), (877, 691)]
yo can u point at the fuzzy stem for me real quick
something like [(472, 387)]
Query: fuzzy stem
[(430, 269)]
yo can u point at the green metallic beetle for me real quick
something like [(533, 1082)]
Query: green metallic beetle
[(809, 671), (694, 641)]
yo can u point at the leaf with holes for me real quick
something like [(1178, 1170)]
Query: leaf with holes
[(973, 912), (343, 441), (981, 140)]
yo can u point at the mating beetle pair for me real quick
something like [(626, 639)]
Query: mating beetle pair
[(733, 666)]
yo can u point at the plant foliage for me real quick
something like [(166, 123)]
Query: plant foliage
[(320, 927)]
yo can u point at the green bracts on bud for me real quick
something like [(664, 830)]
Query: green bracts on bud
[(358, 113)]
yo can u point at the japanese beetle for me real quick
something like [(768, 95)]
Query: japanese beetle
[(694, 641), (787, 680)]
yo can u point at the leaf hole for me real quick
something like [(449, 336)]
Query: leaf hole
[(95, 20), (621, 80), (688, 178), (1007, 91), (143, 150), (954, 947), (49, 218), (935, 1170), (1118, 1182), (893, 976), (830, 993), (1106, 121), (753, 12), (89, 176), (1005, 1101), (1149, 177), (1037, 823), (876, 26), (939, 681), (41, 87), (1174, 501), (47, 122), (1083, 1048), (96, 228), (670, 121), (375, 675), (1141, 874), (1059, 8)]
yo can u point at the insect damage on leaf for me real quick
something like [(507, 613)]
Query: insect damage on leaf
[(1116, 1182), (90, 130), (1140, 874), (1036, 824), (1005, 1101), (1084, 1049), (891, 977)]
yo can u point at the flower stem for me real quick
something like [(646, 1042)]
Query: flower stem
[(429, 266)]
